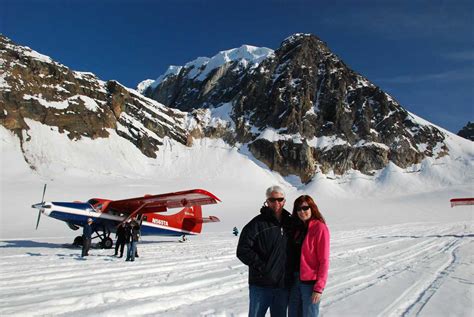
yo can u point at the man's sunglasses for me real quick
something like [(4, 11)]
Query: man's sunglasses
[(305, 208), (272, 200)]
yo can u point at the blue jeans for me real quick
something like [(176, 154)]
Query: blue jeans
[(131, 249), (262, 297), (300, 304)]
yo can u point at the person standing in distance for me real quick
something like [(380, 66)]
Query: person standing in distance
[(263, 246), (120, 243), (132, 235), (86, 237)]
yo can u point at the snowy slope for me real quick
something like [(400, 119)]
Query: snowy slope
[(113, 168)]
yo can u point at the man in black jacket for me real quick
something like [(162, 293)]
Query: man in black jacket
[(120, 243), (263, 246)]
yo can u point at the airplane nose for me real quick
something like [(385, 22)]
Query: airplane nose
[(44, 208)]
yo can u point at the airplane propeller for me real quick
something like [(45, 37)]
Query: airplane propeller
[(40, 207)]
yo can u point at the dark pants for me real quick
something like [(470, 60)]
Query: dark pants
[(261, 298), (121, 244), (86, 245)]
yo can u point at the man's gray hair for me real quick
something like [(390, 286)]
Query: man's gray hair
[(274, 189)]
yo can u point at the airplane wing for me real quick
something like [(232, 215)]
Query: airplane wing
[(161, 203)]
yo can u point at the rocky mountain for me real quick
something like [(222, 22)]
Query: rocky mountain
[(299, 109), (205, 82), (34, 87), (467, 131)]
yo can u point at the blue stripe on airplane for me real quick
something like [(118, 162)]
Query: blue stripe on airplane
[(69, 217)]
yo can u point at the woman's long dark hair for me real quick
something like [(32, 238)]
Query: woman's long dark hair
[(315, 213)]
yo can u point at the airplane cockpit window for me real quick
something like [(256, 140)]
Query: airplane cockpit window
[(92, 201)]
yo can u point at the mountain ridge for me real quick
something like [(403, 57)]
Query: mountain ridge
[(78, 103), (293, 138)]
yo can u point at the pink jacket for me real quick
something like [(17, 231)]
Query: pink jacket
[(315, 255)]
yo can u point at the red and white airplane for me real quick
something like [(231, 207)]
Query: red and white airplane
[(108, 214)]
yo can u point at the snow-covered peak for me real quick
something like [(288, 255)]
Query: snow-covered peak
[(201, 67), (248, 55), (172, 70), (295, 37), (143, 85), (196, 63)]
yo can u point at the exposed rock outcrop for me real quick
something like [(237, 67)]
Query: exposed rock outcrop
[(467, 131), (35, 87)]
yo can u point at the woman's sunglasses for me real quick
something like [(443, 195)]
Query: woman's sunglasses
[(305, 208), (271, 199)]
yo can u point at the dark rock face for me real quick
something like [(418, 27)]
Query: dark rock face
[(32, 86), (286, 157), (183, 93), (307, 96), (467, 131)]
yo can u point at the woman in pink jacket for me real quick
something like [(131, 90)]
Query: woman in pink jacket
[(311, 258)]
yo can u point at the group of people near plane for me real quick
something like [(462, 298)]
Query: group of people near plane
[(287, 255), (128, 233)]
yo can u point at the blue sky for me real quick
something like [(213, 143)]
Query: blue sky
[(420, 52)]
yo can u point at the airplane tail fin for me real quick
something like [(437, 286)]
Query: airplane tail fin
[(189, 219), (193, 220)]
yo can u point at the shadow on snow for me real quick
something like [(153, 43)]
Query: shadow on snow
[(37, 244), (32, 244)]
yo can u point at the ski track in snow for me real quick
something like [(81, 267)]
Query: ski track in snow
[(401, 267)]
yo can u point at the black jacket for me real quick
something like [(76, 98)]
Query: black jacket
[(121, 233), (263, 246), (87, 231), (132, 232), (297, 235)]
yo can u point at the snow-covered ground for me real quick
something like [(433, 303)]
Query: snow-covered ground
[(410, 269), (397, 247)]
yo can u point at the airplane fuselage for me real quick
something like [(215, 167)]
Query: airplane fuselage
[(75, 214)]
